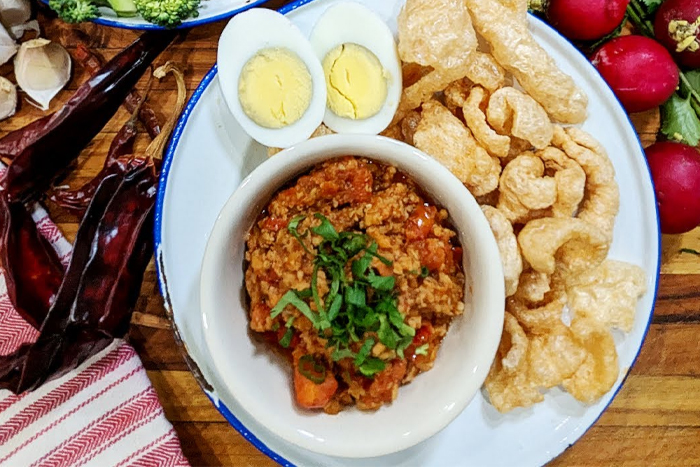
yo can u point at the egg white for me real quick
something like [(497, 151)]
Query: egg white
[(244, 36), (349, 22)]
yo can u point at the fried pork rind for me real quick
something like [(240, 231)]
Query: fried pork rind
[(409, 124), (515, 113), (602, 199), (599, 371), (482, 69), (516, 50), (444, 137), (607, 294), (532, 287), (524, 188), (508, 383), (517, 6), (497, 145), (571, 245), (554, 356), (456, 93), (436, 32), (570, 179), (507, 246), (424, 89), (538, 317)]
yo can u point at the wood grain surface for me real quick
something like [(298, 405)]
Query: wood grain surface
[(654, 421)]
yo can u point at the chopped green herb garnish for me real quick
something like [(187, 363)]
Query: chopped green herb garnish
[(690, 251), (422, 350), (423, 273), (293, 226), (339, 354), (311, 369), (364, 303), (287, 338), (364, 352), (326, 229), (372, 366)]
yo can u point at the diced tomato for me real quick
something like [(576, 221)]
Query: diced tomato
[(273, 223), (258, 317), (423, 334), (420, 223), (382, 388), (311, 395), (432, 253)]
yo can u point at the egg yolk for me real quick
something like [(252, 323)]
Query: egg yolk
[(275, 88), (355, 80)]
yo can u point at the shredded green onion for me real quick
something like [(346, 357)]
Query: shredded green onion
[(311, 369)]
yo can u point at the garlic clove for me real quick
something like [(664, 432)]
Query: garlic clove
[(8, 98), (14, 12), (42, 69), (8, 47)]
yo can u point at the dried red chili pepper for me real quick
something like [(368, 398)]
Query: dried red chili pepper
[(146, 114), (77, 200), (33, 271), (72, 127), (71, 331), (101, 285)]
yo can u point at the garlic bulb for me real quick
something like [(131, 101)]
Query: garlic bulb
[(42, 68), (8, 47), (14, 13), (8, 98)]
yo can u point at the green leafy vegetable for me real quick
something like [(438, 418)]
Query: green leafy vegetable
[(650, 6), (364, 303), (326, 229), (364, 352), (372, 366), (287, 338), (293, 227), (680, 122)]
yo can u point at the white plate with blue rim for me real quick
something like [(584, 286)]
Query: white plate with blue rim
[(209, 11), (210, 155)]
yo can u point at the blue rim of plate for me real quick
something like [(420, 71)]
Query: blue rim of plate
[(165, 170), (103, 21)]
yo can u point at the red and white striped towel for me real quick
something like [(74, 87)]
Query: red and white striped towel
[(105, 413)]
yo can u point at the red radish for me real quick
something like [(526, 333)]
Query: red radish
[(677, 26), (585, 20), (639, 70), (675, 169)]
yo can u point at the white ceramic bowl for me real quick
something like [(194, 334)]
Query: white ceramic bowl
[(261, 383)]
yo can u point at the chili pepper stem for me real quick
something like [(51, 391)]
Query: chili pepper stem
[(157, 146), (142, 100)]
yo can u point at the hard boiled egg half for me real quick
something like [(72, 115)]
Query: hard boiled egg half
[(270, 78), (361, 66)]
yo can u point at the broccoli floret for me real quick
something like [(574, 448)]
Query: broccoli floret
[(78, 11), (167, 13), (75, 11)]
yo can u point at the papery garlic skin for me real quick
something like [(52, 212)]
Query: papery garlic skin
[(8, 98), (14, 13), (42, 69), (8, 46)]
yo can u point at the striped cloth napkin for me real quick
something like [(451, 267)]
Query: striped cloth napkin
[(105, 413)]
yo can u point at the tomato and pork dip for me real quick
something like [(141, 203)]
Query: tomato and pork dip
[(355, 275)]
